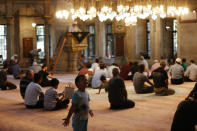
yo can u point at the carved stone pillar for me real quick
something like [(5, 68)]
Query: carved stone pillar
[(72, 64), (46, 40), (8, 37)]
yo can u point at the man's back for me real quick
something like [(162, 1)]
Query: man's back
[(31, 94), (159, 77), (177, 71), (50, 98), (3, 76), (191, 72), (138, 81), (115, 91), (16, 70), (36, 68), (23, 85)]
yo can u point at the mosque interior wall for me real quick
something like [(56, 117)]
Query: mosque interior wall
[(24, 13)]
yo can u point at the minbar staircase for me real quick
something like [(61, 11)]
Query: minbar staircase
[(57, 53)]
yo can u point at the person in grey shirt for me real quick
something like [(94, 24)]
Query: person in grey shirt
[(34, 97), (177, 72), (35, 67), (54, 100), (191, 72), (139, 79)]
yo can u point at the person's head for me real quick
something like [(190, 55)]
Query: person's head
[(163, 64), (39, 50), (141, 68), (82, 56), (115, 72), (184, 60), (102, 66), (178, 60), (38, 78), (192, 61), (30, 74), (5, 67), (103, 78), (15, 56), (44, 68), (88, 65), (141, 57), (81, 82), (97, 60), (54, 83), (114, 64), (34, 63), (156, 61)]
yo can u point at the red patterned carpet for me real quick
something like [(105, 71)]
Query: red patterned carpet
[(151, 113)]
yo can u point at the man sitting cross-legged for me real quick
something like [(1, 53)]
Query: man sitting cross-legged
[(33, 92), (117, 93), (139, 79), (52, 99), (160, 78), (25, 82), (4, 83)]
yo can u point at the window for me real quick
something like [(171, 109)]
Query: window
[(109, 41), (148, 38), (3, 41), (40, 39), (90, 50), (175, 37)]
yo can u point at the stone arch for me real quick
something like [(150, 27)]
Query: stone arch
[(29, 10)]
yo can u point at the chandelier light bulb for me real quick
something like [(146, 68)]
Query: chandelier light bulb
[(154, 17), (129, 14)]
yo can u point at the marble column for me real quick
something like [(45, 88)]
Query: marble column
[(46, 40), (72, 61), (8, 37)]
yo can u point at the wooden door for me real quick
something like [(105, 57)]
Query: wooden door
[(27, 46), (119, 38)]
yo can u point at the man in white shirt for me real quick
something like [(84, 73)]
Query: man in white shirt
[(95, 65), (33, 94), (191, 72), (54, 100), (96, 82), (110, 75), (176, 72)]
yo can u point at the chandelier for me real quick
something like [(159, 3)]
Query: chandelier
[(127, 10)]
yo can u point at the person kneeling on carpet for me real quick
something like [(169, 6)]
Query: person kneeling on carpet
[(117, 92)]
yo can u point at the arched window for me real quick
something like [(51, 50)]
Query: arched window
[(40, 39), (109, 41), (3, 41)]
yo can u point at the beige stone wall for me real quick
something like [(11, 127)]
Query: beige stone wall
[(187, 41), (43, 12)]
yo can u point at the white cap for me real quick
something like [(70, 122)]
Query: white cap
[(178, 60), (156, 61), (34, 63)]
